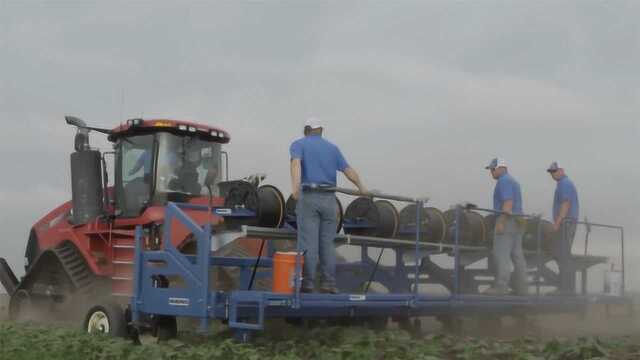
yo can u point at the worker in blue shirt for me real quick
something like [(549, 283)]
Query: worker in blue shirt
[(508, 232), (566, 210), (314, 164)]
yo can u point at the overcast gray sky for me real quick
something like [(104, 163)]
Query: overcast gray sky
[(419, 95)]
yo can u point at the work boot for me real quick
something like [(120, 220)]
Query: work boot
[(494, 291)]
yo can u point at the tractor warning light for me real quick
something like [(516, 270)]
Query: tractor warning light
[(163, 124)]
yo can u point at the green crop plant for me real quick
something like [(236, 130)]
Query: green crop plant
[(49, 342)]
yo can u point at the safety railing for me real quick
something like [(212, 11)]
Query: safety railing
[(589, 226)]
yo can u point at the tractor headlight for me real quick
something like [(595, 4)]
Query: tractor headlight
[(134, 122)]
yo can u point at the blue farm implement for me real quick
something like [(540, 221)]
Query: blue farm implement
[(246, 310)]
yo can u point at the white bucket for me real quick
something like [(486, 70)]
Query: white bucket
[(613, 283)]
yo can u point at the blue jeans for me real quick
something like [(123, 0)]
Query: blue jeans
[(317, 217), (507, 248), (561, 251)]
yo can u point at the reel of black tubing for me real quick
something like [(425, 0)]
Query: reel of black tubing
[(290, 213), (490, 224), (368, 218), (476, 222), (271, 207), (266, 202), (432, 226), (473, 231), (239, 193), (530, 238)]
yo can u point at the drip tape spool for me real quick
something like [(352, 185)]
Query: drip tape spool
[(473, 230), (371, 218), (432, 225)]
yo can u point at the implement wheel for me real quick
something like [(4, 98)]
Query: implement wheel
[(106, 319)]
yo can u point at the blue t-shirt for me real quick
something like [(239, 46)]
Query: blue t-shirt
[(507, 188), (566, 191), (320, 160)]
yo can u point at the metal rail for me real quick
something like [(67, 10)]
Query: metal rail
[(342, 239), (589, 225), (375, 194)]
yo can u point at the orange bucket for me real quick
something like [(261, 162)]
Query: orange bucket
[(284, 271)]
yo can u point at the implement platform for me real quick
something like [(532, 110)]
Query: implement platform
[(192, 292)]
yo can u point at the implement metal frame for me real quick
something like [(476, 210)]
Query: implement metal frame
[(246, 310)]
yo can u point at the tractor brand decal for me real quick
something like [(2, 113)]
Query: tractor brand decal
[(179, 302)]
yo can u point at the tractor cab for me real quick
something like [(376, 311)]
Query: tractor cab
[(157, 161)]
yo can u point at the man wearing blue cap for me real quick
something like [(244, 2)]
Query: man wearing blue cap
[(566, 210), (314, 164), (508, 232)]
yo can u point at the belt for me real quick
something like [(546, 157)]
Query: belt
[(323, 188)]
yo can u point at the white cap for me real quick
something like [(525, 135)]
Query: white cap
[(554, 167), (313, 123), (496, 163)]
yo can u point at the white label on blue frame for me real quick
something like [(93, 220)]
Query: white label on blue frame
[(179, 302)]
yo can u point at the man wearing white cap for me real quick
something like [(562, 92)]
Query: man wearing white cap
[(508, 232), (314, 164), (566, 210)]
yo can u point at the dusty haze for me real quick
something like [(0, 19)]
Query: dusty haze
[(419, 95)]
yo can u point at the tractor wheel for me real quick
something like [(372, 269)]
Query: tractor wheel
[(20, 307), (106, 319)]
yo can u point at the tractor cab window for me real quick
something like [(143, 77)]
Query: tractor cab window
[(134, 174), (185, 165)]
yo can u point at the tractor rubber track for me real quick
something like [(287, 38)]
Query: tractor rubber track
[(76, 268), (57, 267), (58, 283)]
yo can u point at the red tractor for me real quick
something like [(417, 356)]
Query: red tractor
[(79, 257)]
